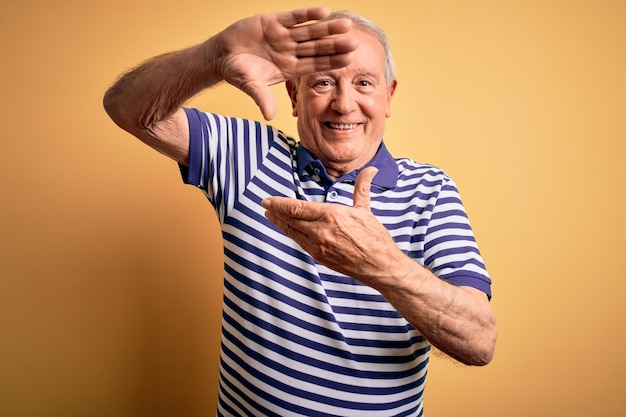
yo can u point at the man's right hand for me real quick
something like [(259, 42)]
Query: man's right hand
[(263, 50), (251, 54)]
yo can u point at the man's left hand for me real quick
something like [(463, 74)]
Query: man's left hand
[(349, 240)]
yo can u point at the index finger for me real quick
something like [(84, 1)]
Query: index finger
[(295, 209)]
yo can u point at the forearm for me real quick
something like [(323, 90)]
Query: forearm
[(457, 320), (144, 100)]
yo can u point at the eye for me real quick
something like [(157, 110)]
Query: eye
[(365, 84), (323, 84)]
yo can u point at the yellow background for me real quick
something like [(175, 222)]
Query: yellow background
[(111, 268)]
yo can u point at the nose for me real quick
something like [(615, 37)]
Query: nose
[(344, 100)]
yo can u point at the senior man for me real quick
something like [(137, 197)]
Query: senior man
[(343, 265)]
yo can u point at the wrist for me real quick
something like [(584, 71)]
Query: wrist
[(214, 53), (401, 274)]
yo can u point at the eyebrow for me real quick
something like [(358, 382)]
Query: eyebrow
[(358, 73)]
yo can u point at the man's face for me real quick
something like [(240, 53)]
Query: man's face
[(341, 113)]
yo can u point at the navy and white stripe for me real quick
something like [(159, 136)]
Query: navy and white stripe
[(299, 339)]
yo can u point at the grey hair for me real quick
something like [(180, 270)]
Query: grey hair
[(368, 26)]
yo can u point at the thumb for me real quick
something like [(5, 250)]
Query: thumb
[(362, 186), (263, 98)]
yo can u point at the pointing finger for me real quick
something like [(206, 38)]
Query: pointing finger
[(291, 208)]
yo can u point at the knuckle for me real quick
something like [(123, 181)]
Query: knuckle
[(297, 210)]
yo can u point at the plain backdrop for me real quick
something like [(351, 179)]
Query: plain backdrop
[(111, 268)]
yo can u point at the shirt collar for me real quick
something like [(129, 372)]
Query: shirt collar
[(386, 176)]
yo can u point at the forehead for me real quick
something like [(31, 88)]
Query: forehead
[(367, 41)]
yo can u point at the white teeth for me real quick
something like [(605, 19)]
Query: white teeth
[(341, 126)]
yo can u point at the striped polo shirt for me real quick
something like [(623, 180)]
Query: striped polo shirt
[(299, 339)]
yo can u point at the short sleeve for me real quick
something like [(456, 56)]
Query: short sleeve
[(450, 248), (196, 173)]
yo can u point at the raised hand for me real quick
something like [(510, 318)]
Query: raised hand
[(262, 50)]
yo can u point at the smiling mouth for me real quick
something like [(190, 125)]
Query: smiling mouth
[(341, 126)]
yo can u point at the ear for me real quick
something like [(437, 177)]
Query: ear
[(391, 89), (292, 90)]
